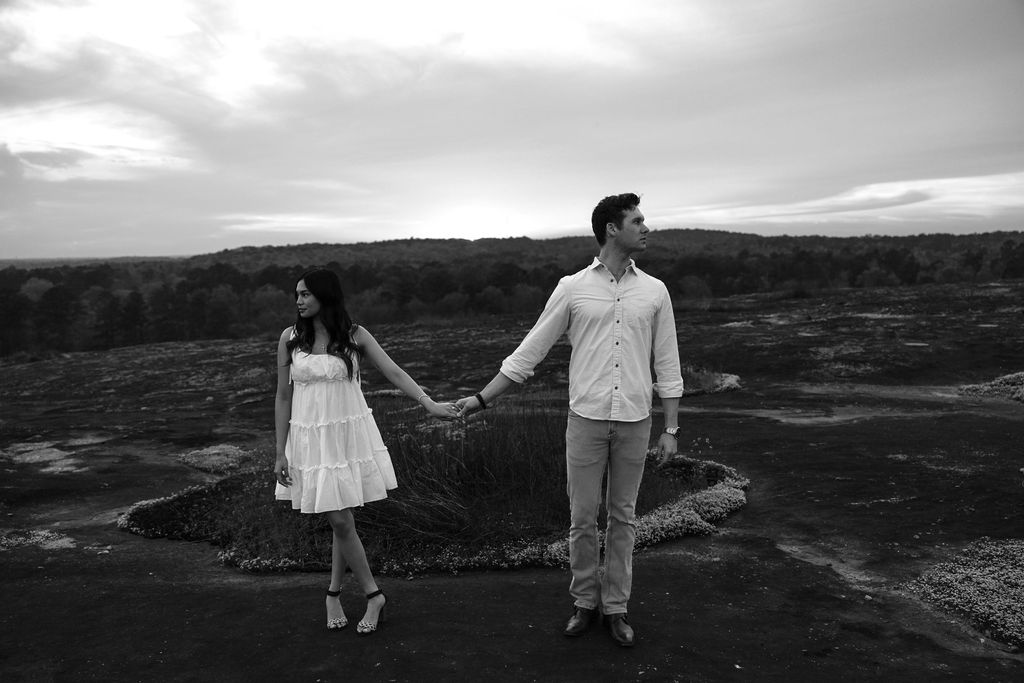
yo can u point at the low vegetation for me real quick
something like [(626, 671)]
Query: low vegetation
[(58, 307), (984, 584), (1007, 386), (488, 493)]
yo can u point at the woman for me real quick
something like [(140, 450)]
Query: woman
[(330, 454)]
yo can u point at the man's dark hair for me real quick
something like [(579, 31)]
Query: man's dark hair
[(611, 209)]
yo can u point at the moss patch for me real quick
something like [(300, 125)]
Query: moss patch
[(1007, 386), (40, 538), (984, 584), (219, 459)]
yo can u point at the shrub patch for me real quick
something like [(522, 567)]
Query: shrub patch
[(1007, 386), (984, 584), (258, 537)]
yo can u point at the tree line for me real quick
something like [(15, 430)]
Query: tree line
[(242, 293)]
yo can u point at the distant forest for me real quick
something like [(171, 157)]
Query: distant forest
[(93, 305)]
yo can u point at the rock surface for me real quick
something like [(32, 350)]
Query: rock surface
[(867, 467)]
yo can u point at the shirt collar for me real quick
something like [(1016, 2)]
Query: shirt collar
[(597, 264)]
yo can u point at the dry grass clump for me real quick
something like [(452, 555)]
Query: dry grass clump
[(699, 380), (1008, 386), (984, 584), (484, 494), (219, 459), (264, 537), (40, 538)]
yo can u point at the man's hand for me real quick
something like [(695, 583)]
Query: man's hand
[(668, 447), (468, 405)]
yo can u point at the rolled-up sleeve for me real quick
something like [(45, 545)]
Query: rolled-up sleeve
[(665, 349), (552, 324)]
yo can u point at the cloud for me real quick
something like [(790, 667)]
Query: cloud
[(98, 140), (12, 181), (859, 199), (307, 224), (932, 200), (182, 126), (55, 158), (10, 165)]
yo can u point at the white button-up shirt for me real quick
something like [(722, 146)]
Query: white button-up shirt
[(618, 330)]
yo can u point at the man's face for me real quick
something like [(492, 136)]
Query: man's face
[(632, 236)]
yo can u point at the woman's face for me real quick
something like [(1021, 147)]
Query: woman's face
[(305, 302)]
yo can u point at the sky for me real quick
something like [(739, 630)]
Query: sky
[(157, 128)]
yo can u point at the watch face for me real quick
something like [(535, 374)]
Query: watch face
[(671, 431)]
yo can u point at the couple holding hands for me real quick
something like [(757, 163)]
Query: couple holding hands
[(619, 320)]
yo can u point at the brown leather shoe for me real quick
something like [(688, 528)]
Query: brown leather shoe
[(579, 622), (622, 632)]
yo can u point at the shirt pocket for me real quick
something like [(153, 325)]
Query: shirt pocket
[(640, 314)]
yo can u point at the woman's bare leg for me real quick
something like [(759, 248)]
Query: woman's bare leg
[(338, 564), (335, 612), (345, 537)]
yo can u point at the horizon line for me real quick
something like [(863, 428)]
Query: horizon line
[(6, 262)]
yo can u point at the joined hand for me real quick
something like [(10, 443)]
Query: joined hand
[(442, 411), (468, 405)]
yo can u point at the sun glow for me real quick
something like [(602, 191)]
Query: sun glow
[(469, 221)]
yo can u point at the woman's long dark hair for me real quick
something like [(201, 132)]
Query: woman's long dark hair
[(325, 286)]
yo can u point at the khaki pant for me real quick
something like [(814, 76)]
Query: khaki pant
[(591, 448)]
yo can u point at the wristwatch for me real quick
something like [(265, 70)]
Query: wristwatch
[(672, 431)]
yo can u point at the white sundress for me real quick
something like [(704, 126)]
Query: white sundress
[(336, 456)]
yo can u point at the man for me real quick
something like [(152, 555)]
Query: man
[(617, 319)]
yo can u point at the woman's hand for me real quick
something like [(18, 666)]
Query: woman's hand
[(284, 477), (442, 411)]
